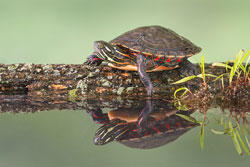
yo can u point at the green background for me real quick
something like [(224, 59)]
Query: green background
[(63, 31)]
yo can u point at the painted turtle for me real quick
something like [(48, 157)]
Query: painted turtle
[(161, 127), (146, 49)]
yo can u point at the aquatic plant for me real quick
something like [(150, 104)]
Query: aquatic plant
[(237, 68), (202, 123), (237, 132), (203, 76)]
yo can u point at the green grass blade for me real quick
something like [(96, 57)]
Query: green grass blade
[(188, 118), (246, 138), (225, 125), (185, 79), (248, 59), (242, 143), (180, 89), (221, 65), (211, 75), (235, 66), (219, 121), (203, 68), (217, 132), (244, 57), (180, 106), (242, 68), (235, 140), (197, 61), (220, 76), (202, 134)]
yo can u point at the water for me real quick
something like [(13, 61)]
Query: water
[(66, 137), (64, 31)]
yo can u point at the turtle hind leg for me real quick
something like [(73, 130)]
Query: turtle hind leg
[(187, 68), (143, 74), (93, 60)]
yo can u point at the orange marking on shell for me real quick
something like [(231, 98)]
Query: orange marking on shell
[(178, 124), (157, 58), (168, 60), (126, 116), (180, 59), (157, 130), (127, 67), (134, 68), (162, 68), (168, 127)]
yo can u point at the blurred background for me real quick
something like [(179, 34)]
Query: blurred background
[(63, 31)]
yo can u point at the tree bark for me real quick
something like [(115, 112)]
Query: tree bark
[(69, 83)]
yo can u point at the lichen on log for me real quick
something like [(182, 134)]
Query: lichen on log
[(74, 81)]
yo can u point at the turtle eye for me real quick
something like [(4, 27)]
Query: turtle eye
[(100, 45)]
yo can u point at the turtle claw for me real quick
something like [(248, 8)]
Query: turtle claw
[(93, 60)]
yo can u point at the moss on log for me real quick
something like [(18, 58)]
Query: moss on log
[(69, 83)]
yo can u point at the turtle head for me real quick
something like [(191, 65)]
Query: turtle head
[(104, 50)]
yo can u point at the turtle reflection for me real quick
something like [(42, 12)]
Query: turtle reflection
[(144, 127)]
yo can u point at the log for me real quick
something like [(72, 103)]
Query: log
[(71, 83)]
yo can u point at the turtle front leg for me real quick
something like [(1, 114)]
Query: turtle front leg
[(143, 74), (93, 60), (98, 116), (188, 68)]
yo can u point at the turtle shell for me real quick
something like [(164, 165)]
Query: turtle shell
[(162, 132), (156, 40)]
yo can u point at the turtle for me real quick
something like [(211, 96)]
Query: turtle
[(161, 127), (146, 49)]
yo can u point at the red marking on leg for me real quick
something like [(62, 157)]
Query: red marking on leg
[(95, 116), (168, 127), (168, 60), (96, 59), (139, 123), (146, 55)]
